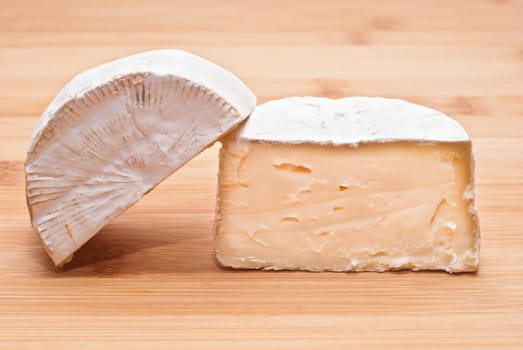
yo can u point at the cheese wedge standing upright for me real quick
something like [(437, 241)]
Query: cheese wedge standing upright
[(355, 184), (114, 132)]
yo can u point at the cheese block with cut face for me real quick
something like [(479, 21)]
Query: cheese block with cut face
[(115, 131), (355, 184)]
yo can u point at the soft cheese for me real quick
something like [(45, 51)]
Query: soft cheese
[(115, 131), (356, 184)]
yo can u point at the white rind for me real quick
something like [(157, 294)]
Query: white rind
[(348, 121), (115, 132), (165, 62)]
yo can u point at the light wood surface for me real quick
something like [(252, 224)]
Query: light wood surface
[(149, 280)]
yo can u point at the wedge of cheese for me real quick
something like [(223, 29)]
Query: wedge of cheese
[(115, 131), (355, 184)]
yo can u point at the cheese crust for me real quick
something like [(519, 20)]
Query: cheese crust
[(115, 132)]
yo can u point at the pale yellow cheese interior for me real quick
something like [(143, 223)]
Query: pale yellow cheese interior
[(374, 207)]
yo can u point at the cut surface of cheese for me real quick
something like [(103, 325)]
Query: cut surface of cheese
[(356, 184), (115, 131)]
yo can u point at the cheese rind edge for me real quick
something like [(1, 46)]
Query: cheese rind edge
[(350, 120)]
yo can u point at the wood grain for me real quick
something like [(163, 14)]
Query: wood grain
[(149, 280)]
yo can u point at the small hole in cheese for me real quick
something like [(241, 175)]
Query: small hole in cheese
[(293, 168), (289, 219)]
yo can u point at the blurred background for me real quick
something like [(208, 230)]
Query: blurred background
[(463, 57)]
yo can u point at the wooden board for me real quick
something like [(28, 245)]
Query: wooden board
[(149, 280)]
